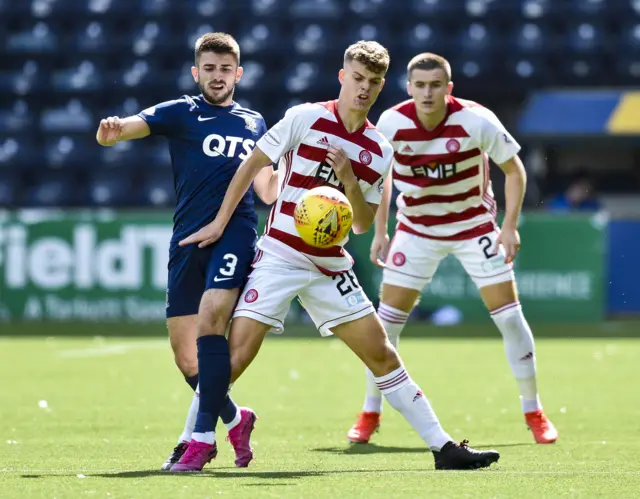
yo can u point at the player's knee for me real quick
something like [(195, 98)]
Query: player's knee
[(187, 362), (211, 325), (384, 359)]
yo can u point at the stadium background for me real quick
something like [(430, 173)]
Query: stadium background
[(83, 229)]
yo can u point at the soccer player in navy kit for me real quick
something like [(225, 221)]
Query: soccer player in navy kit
[(209, 136)]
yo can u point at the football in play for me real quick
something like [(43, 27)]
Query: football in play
[(323, 217)]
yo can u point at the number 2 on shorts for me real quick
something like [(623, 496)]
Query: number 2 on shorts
[(487, 247)]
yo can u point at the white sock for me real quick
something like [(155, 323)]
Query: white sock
[(191, 417), (393, 321), (208, 437), (235, 422), (520, 350), (407, 398)]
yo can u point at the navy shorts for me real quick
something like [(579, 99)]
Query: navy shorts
[(225, 264)]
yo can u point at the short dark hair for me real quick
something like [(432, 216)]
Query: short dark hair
[(373, 55), (220, 43), (429, 61)]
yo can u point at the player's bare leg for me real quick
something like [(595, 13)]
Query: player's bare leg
[(501, 300), (182, 336), (367, 339), (395, 306), (245, 339), (215, 312)]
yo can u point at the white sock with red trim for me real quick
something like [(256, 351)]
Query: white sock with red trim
[(406, 397), (393, 321), (520, 350)]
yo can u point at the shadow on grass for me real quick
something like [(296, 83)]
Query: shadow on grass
[(383, 449)]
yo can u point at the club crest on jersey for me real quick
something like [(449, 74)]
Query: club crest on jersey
[(453, 145), (399, 259), (251, 296), (251, 124), (365, 157)]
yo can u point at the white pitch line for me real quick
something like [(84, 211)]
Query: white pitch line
[(106, 350), (330, 472)]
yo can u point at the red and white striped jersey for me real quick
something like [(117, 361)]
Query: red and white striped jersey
[(299, 142), (443, 174)]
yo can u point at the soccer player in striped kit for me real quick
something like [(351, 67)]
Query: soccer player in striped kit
[(442, 147), (329, 143)]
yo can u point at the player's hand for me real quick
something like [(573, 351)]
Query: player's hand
[(109, 131), (379, 249), (339, 161), (510, 241), (209, 234)]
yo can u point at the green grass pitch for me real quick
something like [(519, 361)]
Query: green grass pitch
[(94, 417)]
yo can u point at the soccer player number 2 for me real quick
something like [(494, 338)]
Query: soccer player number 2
[(230, 267), (487, 246)]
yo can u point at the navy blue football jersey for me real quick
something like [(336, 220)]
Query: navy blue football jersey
[(207, 144)]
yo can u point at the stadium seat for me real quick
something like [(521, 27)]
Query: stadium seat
[(588, 8), (268, 8), (630, 39), (369, 31), (476, 38), (84, 76), (255, 77), (9, 189), (17, 151), (70, 151), (92, 39), (16, 119), (434, 9), (37, 39), (206, 9), (303, 76), (152, 8), (530, 37), (535, 9), (53, 190), (158, 190), (585, 37), (313, 39), (431, 37), (72, 117), (371, 9), (316, 9), (259, 39), (109, 189)]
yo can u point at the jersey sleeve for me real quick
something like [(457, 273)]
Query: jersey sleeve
[(165, 118), (284, 135), (495, 140)]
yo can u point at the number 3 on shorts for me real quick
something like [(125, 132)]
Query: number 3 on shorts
[(230, 267)]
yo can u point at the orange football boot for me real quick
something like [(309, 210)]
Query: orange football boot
[(366, 425), (543, 430)]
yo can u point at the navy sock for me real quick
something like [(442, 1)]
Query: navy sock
[(214, 365), (228, 411), (192, 381)]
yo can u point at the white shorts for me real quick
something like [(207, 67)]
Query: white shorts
[(413, 260), (274, 282)]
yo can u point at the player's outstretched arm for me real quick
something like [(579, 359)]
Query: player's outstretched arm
[(380, 243), (514, 189), (266, 185), (238, 187), (114, 129)]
